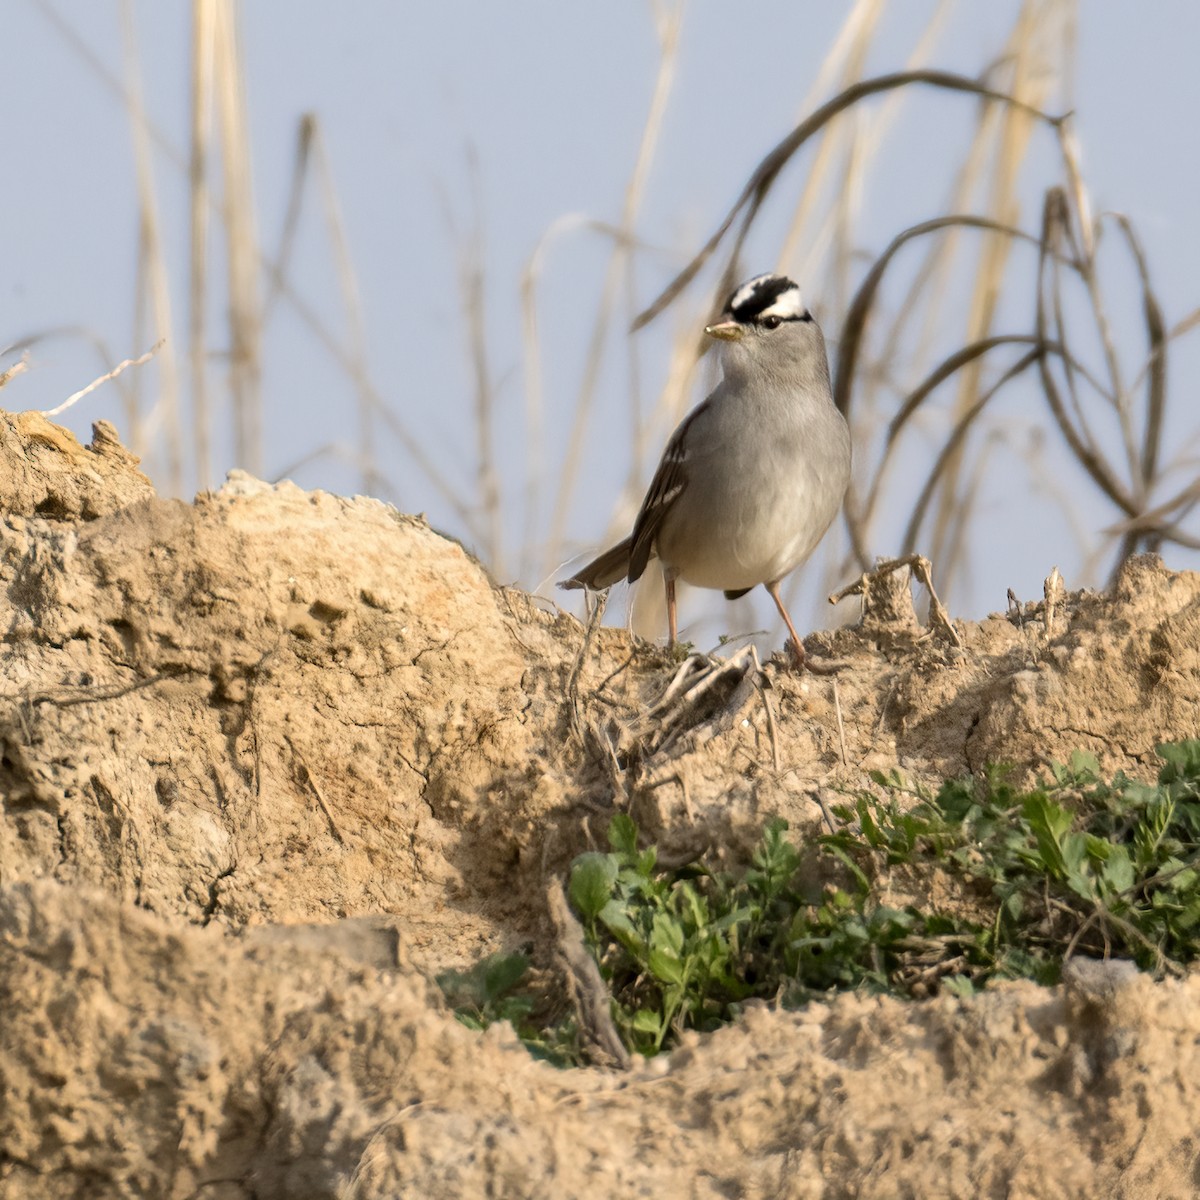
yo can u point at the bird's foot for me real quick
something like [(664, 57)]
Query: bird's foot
[(801, 661)]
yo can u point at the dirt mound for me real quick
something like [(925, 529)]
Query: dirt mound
[(269, 760)]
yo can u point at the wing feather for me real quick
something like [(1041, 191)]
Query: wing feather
[(666, 487)]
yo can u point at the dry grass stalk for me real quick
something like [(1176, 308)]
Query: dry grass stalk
[(241, 241), (471, 258), (668, 23), (153, 290), (764, 176), (356, 326), (21, 365), (1030, 81), (349, 355), (203, 37)]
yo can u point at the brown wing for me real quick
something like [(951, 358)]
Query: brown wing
[(665, 488)]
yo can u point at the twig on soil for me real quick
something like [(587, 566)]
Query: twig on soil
[(819, 800), (589, 634), (306, 776), (613, 674), (696, 677), (67, 697), (837, 706), (589, 992), (1016, 611), (771, 728)]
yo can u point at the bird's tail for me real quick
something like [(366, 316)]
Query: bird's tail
[(604, 571)]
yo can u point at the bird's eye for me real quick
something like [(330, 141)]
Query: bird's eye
[(772, 322)]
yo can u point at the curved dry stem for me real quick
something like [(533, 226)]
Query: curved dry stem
[(277, 267), (152, 301), (938, 376), (854, 325), (1108, 344), (531, 357), (1161, 523), (1156, 337), (850, 344), (1054, 218), (943, 371), (948, 451), (1182, 326), (765, 174)]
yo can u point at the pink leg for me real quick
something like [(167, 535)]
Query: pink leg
[(796, 644)]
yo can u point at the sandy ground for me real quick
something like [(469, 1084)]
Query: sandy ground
[(271, 760)]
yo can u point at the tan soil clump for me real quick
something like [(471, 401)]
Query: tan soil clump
[(269, 760)]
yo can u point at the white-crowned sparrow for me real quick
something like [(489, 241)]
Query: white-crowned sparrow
[(754, 475)]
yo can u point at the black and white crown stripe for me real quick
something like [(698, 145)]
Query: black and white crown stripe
[(767, 299)]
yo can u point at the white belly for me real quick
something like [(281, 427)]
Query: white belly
[(755, 520)]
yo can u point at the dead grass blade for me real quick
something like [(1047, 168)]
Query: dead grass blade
[(1181, 327), (91, 387), (241, 242), (962, 427), (669, 23), (764, 175), (1156, 338), (471, 257), (203, 39), (312, 140), (1054, 219), (858, 142), (18, 368), (279, 264), (1015, 130), (859, 519), (153, 287), (863, 303), (850, 346)]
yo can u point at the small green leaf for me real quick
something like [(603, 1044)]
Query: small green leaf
[(502, 973), (646, 1020), (592, 878), (1118, 870), (737, 916), (1049, 823), (665, 966), (622, 834), (959, 985), (616, 920), (1084, 767), (666, 934), (1181, 759)]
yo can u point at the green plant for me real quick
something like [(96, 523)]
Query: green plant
[(498, 989), (921, 891), (1024, 880)]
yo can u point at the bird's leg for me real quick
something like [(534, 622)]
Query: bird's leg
[(670, 582), (797, 644)]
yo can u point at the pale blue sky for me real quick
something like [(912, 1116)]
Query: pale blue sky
[(551, 98)]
